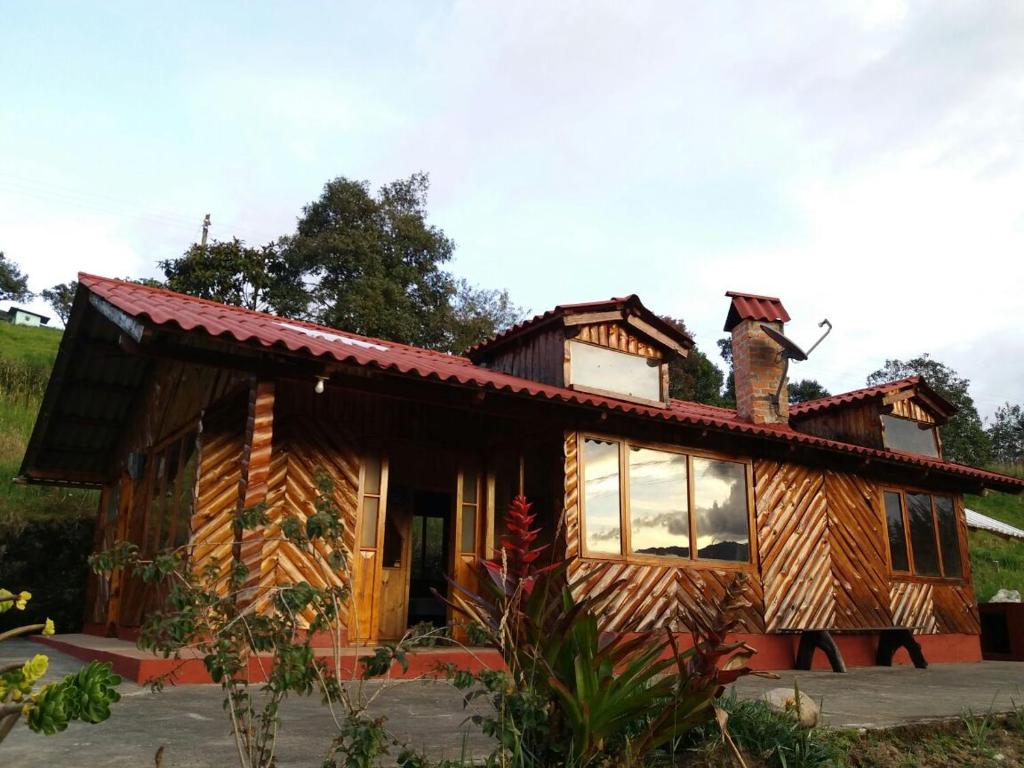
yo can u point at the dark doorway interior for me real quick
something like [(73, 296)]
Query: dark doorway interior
[(430, 555)]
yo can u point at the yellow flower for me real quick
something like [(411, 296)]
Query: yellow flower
[(23, 598), (15, 695), (49, 629), (34, 668), (6, 600)]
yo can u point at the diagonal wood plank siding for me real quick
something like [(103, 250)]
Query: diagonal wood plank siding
[(653, 596), (303, 450)]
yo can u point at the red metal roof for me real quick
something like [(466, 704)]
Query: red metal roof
[(750, 306), (944, 407), (631, 303), (171, 310)]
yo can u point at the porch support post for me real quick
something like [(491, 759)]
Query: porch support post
[(252, 485)]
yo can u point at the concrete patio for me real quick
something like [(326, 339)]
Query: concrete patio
[(189, 722)]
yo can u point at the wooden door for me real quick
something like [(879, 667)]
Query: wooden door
[(367, 569), (395, 554), (468, 524)]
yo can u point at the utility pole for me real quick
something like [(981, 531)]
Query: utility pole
[(206, 228)]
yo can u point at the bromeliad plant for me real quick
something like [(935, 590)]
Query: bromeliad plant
[(573, 695), (47, 709)]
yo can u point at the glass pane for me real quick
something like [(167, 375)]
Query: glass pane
[(922, 534), (469, 486), (897, 536), (506, 488), (371, 482), (910, 436), (948, 538), (468, 528), (394, 544), (613, 371), (186, 489), (434, 546), (368, 535), (720, 501), (601, 496), (658, 509)]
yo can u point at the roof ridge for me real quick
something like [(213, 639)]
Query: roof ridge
[(854, 394)]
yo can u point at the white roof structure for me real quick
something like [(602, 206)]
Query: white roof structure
[(986, 523)]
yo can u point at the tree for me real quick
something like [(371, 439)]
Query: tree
[(694, 377), (1007, 434), (60, 297), (478, 314), (13, 282), (963, 436), (374, 265), (806, 389), (261, 279), (725, 350)]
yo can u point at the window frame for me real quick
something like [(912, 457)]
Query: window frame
[(933, 427), (625, 554), (911, 574), (661, 402)]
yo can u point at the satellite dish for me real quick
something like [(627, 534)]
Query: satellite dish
[(789, 348), (790, 351)]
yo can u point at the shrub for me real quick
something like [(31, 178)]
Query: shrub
[(573, 695)]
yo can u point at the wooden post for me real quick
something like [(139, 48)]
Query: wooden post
[(252, 486)]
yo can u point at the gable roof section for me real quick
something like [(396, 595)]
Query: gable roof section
[(750, 306), (625, 307), (143, 309), (912, 386)]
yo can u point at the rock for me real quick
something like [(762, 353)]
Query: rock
[(1006, 596), (785, 700)]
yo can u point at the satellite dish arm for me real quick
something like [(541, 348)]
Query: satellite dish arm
[(826, 333)]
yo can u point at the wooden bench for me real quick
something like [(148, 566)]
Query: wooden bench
[(890, 640)]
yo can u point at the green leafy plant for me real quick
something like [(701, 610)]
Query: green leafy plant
[(978, 728), (244, 632), (774, 738), (47, 709), (573, 695)]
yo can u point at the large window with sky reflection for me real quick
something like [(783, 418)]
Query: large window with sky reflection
[(648, 512)]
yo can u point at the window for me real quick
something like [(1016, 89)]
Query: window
[(594, 367), (910, 436), (171, 478), (643, 501), (373, 479), (923, 534)]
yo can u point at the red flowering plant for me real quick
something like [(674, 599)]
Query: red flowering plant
[(573, 694)]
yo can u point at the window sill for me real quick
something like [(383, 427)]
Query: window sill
[(670, 562), (913, 578)]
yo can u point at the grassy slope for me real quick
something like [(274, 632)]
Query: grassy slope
[(26, 354), (997, 562)]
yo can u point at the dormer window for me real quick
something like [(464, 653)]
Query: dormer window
[(910, 436), (616, 348), (608, 371)]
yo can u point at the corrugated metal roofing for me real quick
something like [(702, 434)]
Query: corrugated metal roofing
[(527, 326), (986, 523), (750, 306), (165, 308), (868, 393)]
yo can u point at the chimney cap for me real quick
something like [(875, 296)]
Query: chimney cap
[(751, 306)]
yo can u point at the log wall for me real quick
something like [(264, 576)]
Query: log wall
[(822, 549), (170, 405)]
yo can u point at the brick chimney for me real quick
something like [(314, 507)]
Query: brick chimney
[(757, 366)]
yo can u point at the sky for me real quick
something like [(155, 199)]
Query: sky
[(862, 161)]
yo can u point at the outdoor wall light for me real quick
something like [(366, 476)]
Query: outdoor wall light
[(319, 386)]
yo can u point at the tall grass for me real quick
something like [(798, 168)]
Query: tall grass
[(26, 359)]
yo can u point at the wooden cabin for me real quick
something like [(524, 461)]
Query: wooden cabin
[(842, 511)]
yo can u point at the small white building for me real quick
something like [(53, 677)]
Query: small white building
[(19, 316)]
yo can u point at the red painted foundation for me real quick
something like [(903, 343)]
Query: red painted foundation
[(773, 652)]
